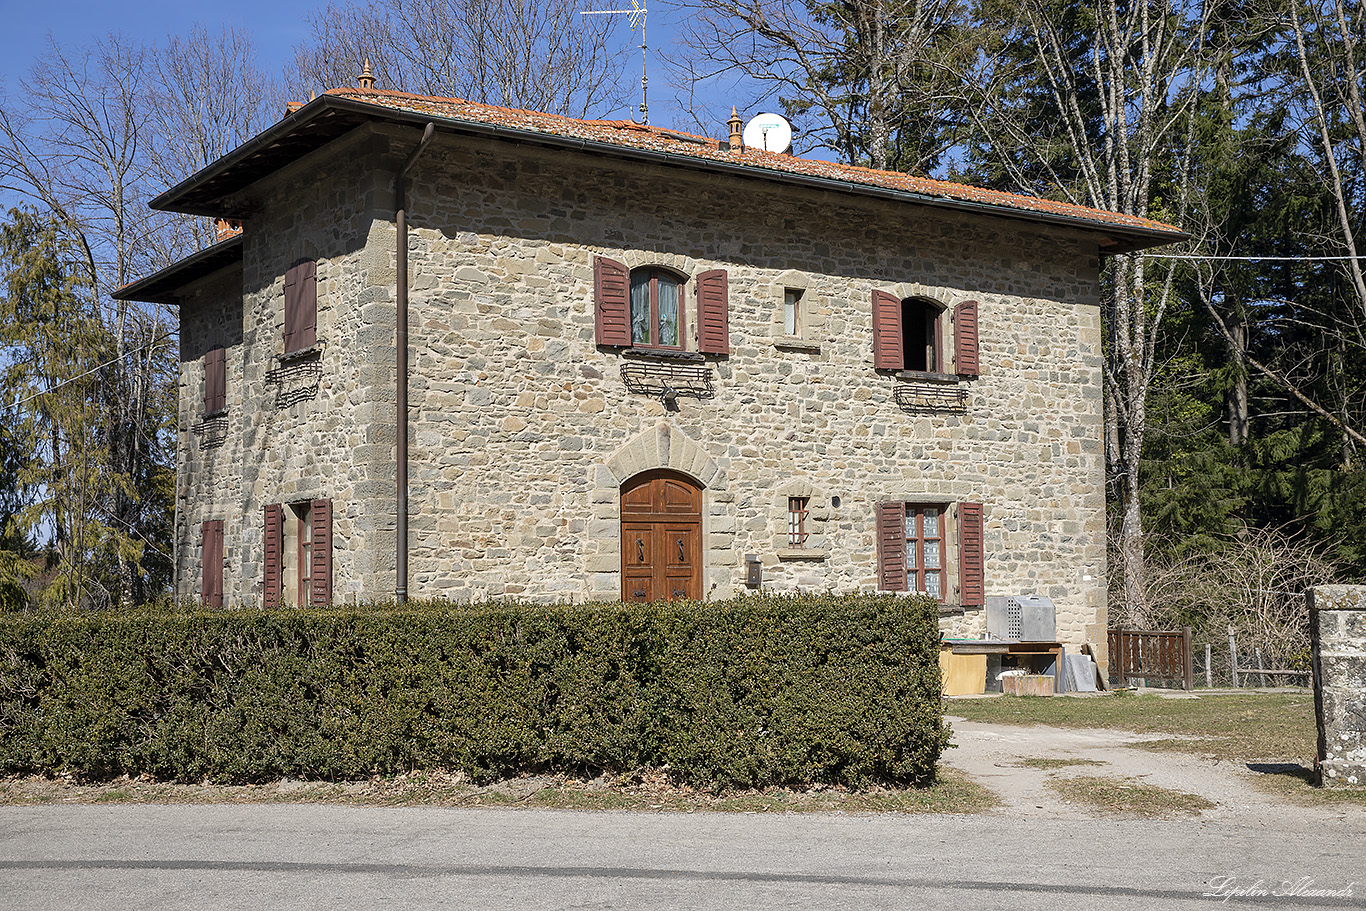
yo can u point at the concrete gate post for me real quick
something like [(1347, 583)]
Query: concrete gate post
[(1337, 631)]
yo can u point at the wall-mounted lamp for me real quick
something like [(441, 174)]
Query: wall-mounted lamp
[(754, 571), (669, 398)]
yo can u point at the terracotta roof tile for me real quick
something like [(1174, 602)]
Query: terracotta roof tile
[(629, 134)]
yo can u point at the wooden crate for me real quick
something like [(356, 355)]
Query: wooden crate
[(1028, 685), (963, 675)]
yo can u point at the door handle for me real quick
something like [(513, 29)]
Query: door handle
[(640, 550), (682, 557)]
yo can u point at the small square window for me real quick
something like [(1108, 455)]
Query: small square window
[(792, 313), (798, 509)]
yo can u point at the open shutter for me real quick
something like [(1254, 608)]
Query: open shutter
[(971, 570), (965, 338), (612, 302), (301, 306), (320, 573), (215, 381), (274, 545), (713, 312), (211, 555), (887, 354), (891, 546)]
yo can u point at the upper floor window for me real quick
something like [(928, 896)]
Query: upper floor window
[(656, 309), (215, 381), (792, 313), (920, 335), (647, 307), (908, 334), (301, 306)]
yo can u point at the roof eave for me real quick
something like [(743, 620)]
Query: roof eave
[(162, 287), (1118, 238)]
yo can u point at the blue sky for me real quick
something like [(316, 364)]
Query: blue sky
[(276, 26)]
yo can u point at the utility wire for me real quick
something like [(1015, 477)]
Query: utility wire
[(1285, 259), (152, 344)]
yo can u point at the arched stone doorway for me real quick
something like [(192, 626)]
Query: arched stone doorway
[(661, 537)]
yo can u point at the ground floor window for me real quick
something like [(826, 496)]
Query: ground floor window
[(918, 550)]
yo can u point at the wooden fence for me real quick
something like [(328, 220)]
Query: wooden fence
[(1152, 653)]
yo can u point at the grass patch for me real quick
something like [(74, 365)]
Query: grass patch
[(1048, 763), (647, 790), (1272, 726), (1127, 797)]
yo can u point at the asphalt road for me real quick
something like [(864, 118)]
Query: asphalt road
[(289, 856)]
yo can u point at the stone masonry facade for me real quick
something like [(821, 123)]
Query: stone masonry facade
[(523, 431), (1337, 631)]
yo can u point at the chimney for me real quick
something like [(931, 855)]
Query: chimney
[(225, 228), (735, 123), (367, 79)]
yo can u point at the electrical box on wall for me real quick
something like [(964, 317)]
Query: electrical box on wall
[(1021, 618), (754, 571)]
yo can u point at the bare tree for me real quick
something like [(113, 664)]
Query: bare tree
[(1108, 119), (534, 54), (873, 81), (210, 97)]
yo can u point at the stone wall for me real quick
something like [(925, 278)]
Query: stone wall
[(523, 429), (1337, 630)]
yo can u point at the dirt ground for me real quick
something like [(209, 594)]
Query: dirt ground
[(994, 756)]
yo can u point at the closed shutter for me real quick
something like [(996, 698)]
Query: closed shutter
[(612, 302), (971, 560), (274, 546), (891, 546), (965, 339), (215, 381), (887, 354), (320, 573), (713, 312), (301, 306), (211, 554)]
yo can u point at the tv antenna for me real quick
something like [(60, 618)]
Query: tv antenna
[(637, 16)]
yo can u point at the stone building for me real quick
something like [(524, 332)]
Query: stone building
[(643, 364)]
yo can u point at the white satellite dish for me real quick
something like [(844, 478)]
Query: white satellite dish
[(770, 132)]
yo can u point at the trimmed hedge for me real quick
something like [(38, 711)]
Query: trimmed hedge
[(753, 692)]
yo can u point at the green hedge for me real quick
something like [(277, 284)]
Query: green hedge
[(754, 692)]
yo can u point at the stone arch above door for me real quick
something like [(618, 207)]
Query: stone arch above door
[(665, 446), (662, 447)]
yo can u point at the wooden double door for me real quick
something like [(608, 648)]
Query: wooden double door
[(661, 538)]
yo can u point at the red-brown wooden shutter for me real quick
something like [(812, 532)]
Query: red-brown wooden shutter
[(211, 555), (891, 546), (713, 312), (887, 354), (971, 560), (215, 381), (320, 573), (274, 544), (612, 302), (965, 338), (301, 306)]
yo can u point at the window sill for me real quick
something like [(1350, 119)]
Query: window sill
[(664, 354), (921, 376), (212, 415), (809, 554), (300, 354), (792, 343)]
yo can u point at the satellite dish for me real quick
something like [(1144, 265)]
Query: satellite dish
[(769, 132)]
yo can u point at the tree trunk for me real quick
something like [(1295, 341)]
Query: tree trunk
[(1236, 341)]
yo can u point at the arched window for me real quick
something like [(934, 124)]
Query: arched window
[(920, 335), (656, 309)]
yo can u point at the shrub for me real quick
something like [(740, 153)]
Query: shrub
[(749, 693)]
